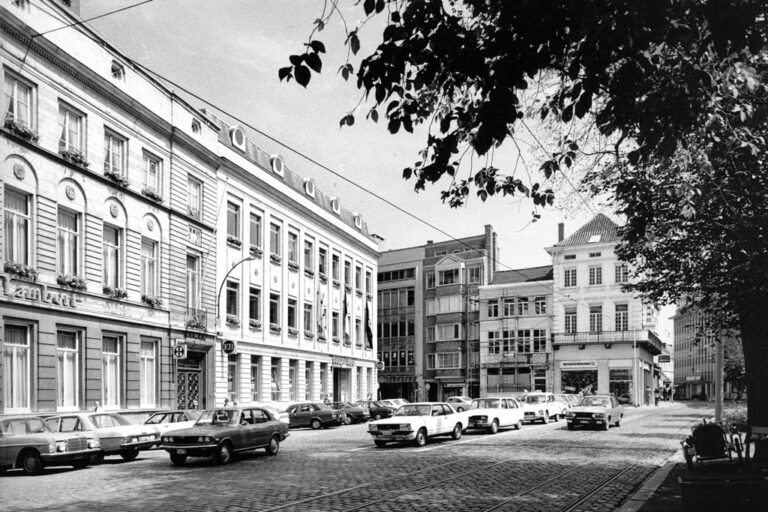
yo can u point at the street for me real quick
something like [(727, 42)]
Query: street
[(541, 467)]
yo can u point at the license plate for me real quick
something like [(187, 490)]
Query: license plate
[(472, 423), (144, 438), (181, 451), (583, 421)]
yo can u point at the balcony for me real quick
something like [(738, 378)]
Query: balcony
[(196, 319), (644, 338)]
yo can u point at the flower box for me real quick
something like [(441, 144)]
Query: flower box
[(233, 240), (275, 328), (336, 283), (196, 323), (309, 334), (72, 281), (293, 266), (359, 293), (322, 338), (254, 324), (309, 272), (153, 302), (323, 277), (152, 194), (255, 251), (348, 288), (335, 339), (275, 258), (292, 331), (20, 128), (21, 271), (347, 341), (117, 178), (233, 320), (115, 292), (75, 156), (193, 211)]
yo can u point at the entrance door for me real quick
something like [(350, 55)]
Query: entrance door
[(188, 389)]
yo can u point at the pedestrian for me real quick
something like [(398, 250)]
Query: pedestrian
[(327, 400), (648, 395), (96, 406), (656, 394), (226, 402)]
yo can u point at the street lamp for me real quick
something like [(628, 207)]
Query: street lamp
[(221, 286)]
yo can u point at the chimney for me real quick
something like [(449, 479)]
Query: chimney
[(560, 232), (429, 242)]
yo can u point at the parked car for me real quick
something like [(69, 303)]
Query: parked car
[(397, 402), (563, 399), (460, 403), (223, 432), (28, 444), (542, 407), (313, 414), (625, 399), (495, 413), (418, 421), (167, 421), (117, 436), (596, 410), (279, 414), (352, 413), (379, 410)]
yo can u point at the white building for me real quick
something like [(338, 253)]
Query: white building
[(603, 338)]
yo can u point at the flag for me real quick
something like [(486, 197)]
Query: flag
[(368, 331), (345, 323)]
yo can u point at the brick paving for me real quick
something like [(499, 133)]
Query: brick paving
[(339, 470)]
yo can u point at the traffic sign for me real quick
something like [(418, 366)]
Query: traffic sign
[(180, 351), (229, 346), (664, 358), (380, 365)]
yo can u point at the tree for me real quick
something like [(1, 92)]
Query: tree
[(679, 85)]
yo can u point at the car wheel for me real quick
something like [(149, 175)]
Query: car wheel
[(570, 426), (607, 424), (129, 455), (315, 424), (274, 445), (81, 464), (545, 419), (224, 454), (556, 417), (519, 425), (421, 437), (178, 459), (618, 421), (494, 427), (380, 444), (460, 409), (456, 434), (348, 419), (31, 462), (97, 459)]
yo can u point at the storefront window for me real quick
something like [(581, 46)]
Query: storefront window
[(579, 381), (620, 382)]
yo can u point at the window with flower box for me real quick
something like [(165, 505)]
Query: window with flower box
[(115, 154), (20, 104), (17, 227), (71, 130), (152, 177), (68, 242), (112, 255)]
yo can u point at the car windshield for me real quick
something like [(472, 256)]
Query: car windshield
[(217, 417), (486, 403), (108, 420), (24, 426), (595, 401), (535, 399), (414, 410)]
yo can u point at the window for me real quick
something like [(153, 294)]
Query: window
[(595, 318), (570, 320), (17, 225), (309, 255), (117, 70), (569, 257), (474, 275), (254, 304), (110, 371), (322, 263), (448, 332), (153, 173), (112, 256), (67, 369), (147, 373), (359, 279), (493, 308), (275, 379), (274, 239), (293, 382), (368, 285), (447, 277), (255, 378), (149, 273), (19, 101), (448, 360), (233, 220), (430, 280), (293, 247), (621, 272), (569, 277), (70, 130), (348, 273), (540, 305), (274, 309), (335, 325), (292, 314), (522, 306), (232, 377), (595, 275), (195, 197), (233, 299), (539, 340), (255, 230), (114, 154), (494, 345), (524, 341), (68, 241), (594, 255), (622, 317), (508, 341), (410, 296), (308, 318), (509, 306), (431, 333), (335, 262), (359, 331), (17, 367), (193, 281)]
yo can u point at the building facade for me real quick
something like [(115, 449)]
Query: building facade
[(515, 328), (603, 338)]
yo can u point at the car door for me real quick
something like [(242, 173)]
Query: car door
[(303, 415), (262, 427), (515, 411), (243, 433)]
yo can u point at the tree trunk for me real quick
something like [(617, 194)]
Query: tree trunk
[(753, 316)]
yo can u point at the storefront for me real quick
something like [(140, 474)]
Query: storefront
[(578, 377)]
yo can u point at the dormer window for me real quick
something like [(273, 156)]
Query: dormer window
[(358, 221), (118, 71), (278, 165), (594, 239), (336, 205), (196, 127), (309, 187)]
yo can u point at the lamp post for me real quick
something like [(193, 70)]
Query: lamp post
[(719, 379), (221, 286)]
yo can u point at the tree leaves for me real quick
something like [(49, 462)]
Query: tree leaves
[(302, 75)]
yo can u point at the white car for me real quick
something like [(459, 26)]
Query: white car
[(395, 402), (543, 407), (417, 422), (168, 421), (460, 403), (495, 413)]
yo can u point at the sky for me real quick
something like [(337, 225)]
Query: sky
[(228, 52)]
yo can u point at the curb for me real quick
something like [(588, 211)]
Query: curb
[(642, 495)]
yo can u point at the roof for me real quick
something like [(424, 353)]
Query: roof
[(600, 229), (523, 275)]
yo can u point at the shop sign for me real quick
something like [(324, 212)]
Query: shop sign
[(39, 293), (692, 378), (577, 365), (342, 362), (229, 346), (664, 358)]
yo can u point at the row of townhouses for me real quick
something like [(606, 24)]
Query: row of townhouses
[(152, 256), (452, 322)]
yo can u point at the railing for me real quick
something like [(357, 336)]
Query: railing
[(641, 337)]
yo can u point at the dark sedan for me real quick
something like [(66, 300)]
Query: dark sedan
[(313, 414), (352, 413), (377, 409), (221, 433)]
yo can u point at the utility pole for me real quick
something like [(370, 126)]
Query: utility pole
[(719, 356)]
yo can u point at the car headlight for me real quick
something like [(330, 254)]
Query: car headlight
[(541, 412), (372, 426), (93, 443), (483, 418), (167, 439), (61, 446), (52, 447), (405, 426), (569, 415), (598, 415)]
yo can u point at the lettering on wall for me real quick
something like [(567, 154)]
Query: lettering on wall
[(34, 292)]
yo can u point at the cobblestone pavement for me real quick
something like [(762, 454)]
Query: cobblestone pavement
[(541, 467)]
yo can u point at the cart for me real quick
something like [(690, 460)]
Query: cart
[(710, 441)]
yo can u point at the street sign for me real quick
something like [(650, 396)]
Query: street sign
[(379, 365), (180, 351), (229, 346), (664, 358)]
